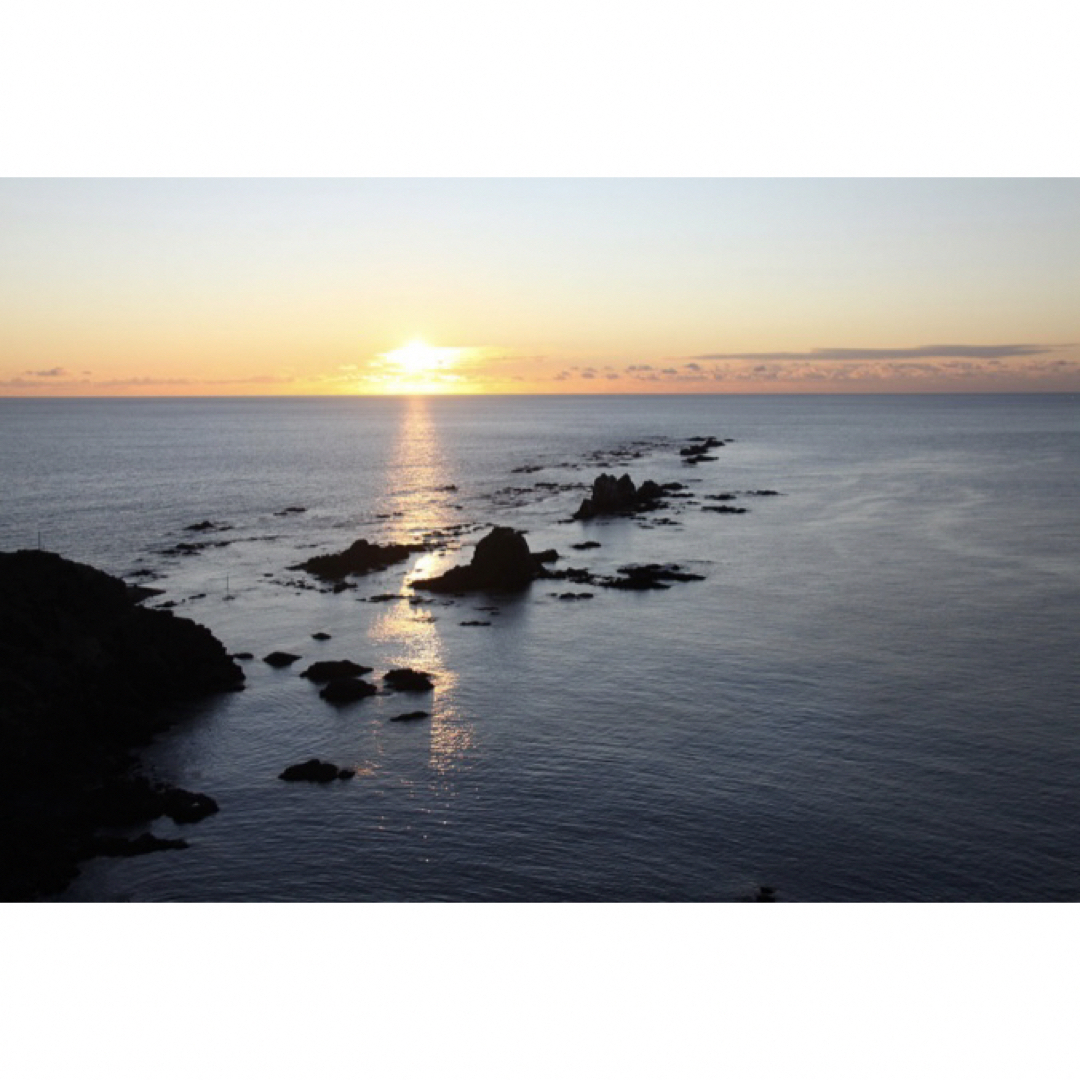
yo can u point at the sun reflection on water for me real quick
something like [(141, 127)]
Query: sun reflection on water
[(422, 480), (409, 631)]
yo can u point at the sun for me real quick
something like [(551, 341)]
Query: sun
[(418, 358)]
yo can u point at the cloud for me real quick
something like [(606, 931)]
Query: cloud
[(51, 373), (919, 352), (692, 367), (139, 382)]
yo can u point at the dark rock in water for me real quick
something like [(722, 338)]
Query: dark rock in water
[(409, 680), (587, 545), (130, 800), (119, 846), (361, 558), (611, 496), (649, 576), (280, 659), (342, 691), (406, 716), (138, 593), (204, 526), (319, 772), (633, 577), (325, 670), (763, 491), (382, 598), (474, 622), (550, 555), (243, 656), (321, 635), (501, 562), (725, 509), (186, 807), (186, 548), (698, 449)]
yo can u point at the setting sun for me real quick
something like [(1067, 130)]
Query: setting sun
[(419, 358)]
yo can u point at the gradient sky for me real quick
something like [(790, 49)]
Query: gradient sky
[(116, 287)]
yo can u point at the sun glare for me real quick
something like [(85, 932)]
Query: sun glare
[(419, 358)]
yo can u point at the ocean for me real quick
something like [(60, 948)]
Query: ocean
[(873, 695)]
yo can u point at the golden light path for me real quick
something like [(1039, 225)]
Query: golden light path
[(405, 629)]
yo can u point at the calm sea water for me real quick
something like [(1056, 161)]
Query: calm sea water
[(874, 695)]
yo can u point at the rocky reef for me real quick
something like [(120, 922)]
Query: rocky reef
[(85, 675), (619, 496), (358, 559), (501, 563)]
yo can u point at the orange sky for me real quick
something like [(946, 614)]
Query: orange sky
[(189, 287)]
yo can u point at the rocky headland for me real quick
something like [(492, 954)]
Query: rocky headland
[(85, 678)]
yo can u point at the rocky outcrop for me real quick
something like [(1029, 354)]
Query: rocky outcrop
[(622, 496), (279, 659), (343, 691), (359, 559), (408, 679), (84, 675), (319, 772), (501, 562), (131, 800), (325, 670)]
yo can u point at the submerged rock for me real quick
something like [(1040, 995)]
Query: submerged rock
[(361, 558), (650, 576), (407, 716), (632, 577), (501, 562)]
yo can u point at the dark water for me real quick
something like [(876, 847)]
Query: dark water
[(874, 695)]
